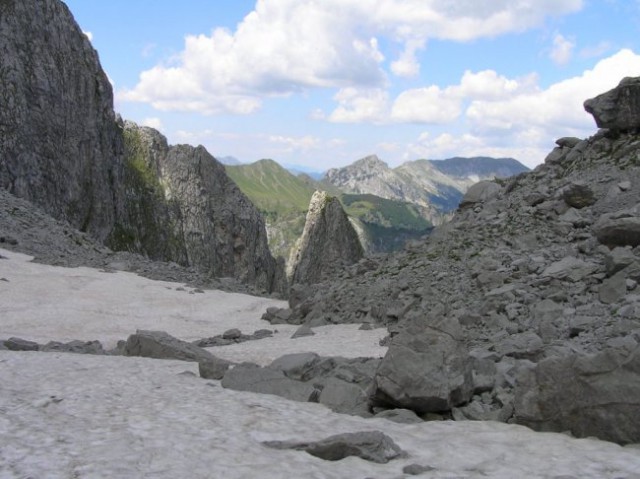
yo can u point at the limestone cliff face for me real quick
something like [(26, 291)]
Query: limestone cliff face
[(60, 146), (328, 241), (182, 206)]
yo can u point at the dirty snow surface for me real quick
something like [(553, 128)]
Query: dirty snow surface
[(76, 416)]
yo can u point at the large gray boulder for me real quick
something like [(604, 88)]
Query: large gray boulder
[(328, 241), (426, 369), (589, 395), (252, 378), (371, 446), (343, 385), (480, 192), (619, 108), (60, 145), (161, 345), (620, 228)]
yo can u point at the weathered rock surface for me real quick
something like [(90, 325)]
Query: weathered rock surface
[(373, 446), (62, 148), (183, 207), (540, 281), (344, 385), (426, 370), (60, 145), (617, 109), (589, 395), (328, 241), (160, 345)]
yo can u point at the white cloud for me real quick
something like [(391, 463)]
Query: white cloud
[(594, 51), (301, 143), (286, 46), (427, 105), (557, 109), (89, 35), (153, 123), (562, 49), (516, 117), (355, 106)]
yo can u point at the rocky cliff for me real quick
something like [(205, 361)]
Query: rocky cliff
[(328, 242), (181, 206), (526, 307), (60, 146)]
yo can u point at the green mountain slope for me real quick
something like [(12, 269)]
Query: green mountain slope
[(272, 188), (283, 199)]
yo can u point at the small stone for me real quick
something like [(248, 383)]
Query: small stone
[(303, 331), (232, 334), (416, 469)]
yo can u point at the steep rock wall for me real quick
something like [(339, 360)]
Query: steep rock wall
[(60, 146)]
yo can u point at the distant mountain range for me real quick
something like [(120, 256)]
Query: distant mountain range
[(437, 185), (386, 205)]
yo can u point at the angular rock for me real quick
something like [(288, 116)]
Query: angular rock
[(589, 395), (160, 345), (402, 416), (527, 345), (373, 446), (213, 368), (234, 333), (78, 347), (19, 344), (618, 259), (303, 331), (570, 268), (621, 228), (613, 289), (578, 195), (619, 108), (425, 370), (328, 242), (252, 378), (480, 192)]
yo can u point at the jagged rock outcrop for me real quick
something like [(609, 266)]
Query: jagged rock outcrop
[(60, 146), (329, 241), (182, 206), (617, 109), (542, 279)]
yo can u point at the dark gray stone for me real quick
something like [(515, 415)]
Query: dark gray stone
[(252, 378), (589, 395), (232, 334), (578, 195), (480, 192), (160, 345), (19, 344), (425, 370), (402, 416), (78, 347), (621, 228), (619, 108), (213, 368), (372, 446), (303, 331)]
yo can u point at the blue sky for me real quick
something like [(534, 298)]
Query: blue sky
[(322, 83)]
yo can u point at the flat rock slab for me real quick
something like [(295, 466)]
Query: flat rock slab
[(161, 345), (371, 446)]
